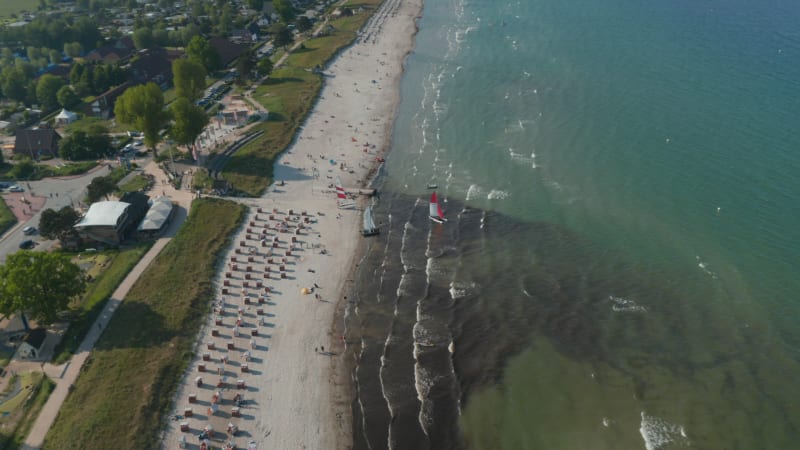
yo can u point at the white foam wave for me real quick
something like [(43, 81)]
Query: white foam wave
[(519, 157), (657, 433), (473, 191), (497, 194), (704, 267), (625, 305), (423, 382), (460, 290)]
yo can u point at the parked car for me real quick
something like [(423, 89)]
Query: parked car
[(16, 188), (27, 231), (27, 244)]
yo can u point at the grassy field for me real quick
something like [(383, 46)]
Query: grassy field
[(107, 270), (19, 412), (44, 170), (7, 218), (137, 183), (124, 393), (289, 94), (8, 7)]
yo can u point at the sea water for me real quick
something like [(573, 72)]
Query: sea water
[(619, 268)]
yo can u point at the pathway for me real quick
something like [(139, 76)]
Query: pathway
[(65, 375)]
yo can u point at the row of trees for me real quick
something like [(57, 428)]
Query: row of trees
[(142, 107), (17, 84), (81, 145), (95, 78), (53, 31)]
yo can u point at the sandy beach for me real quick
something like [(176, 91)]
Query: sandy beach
[(270, 345)]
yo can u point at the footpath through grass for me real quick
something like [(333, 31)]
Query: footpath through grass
[(289, 94), (124, 393), (107, 270)]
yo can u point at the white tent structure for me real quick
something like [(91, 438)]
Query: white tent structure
[(156, 218), (66, 117)]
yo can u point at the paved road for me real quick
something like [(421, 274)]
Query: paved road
[(64, 191)]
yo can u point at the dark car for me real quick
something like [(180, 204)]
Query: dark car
[(27, 244)]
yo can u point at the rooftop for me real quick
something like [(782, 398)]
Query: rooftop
[(103, 214)]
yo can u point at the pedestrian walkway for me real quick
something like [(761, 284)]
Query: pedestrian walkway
[(68, 373)]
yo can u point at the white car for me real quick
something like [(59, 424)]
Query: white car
[(29, 231), (16, 189)]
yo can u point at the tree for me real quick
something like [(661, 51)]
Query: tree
[(47, 91), (189, 121), (73, 49), (200, 51), (246, 63), (265, 67), (14, 82), (303, 24), (283, 37), (143, 38), (256, 5), (82, 145), (100, 187), (67, 97), (284, 9), (143, 108), (189, 78), (58, 224), (23, 170), (40, 284)]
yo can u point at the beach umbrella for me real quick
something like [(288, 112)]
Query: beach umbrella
[(305, 291)]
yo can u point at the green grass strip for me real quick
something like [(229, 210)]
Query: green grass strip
[(98, 291), (125, 391), (288, 95)]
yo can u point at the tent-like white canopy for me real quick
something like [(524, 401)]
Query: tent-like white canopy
[(66, 116), (157, 215), (103, 214)]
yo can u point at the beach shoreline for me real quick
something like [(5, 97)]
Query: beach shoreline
[(269, 361)]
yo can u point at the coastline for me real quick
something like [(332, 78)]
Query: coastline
[(296, 395)]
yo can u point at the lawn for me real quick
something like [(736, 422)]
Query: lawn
[(125, 391), (45, 170), (8, 7), (137, 183), (7, 218), (289, 94), (19, 412), (107, 270)]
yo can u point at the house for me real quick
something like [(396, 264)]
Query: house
[(121, 50), (105, 222), (242, 36), (65, 117), (32, 344), (157, 218), (228, 51), (36, 142), (103, 105), (153, 65)]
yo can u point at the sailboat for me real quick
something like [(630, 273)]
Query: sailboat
[(369, 223), (341, 198), (436, 213)]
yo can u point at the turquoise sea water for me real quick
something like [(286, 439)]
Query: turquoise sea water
[(635, 165)]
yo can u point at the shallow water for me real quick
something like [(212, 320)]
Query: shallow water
[(619, 265)]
